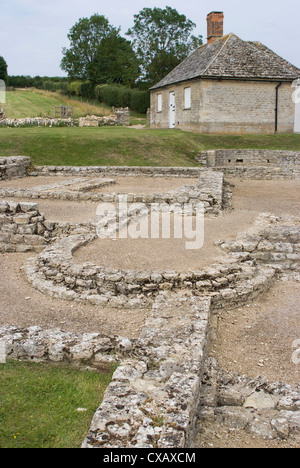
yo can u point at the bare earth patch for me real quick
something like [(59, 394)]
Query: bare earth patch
[(24, 306), (257, 339)]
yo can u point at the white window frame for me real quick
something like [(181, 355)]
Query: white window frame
[(187, 98), (159, 102)]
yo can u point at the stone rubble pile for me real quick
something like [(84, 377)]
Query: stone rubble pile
[(14, 167), (120, 117), (263, 409), (38, 345), (22, 227), (273, 241), (38, 122)]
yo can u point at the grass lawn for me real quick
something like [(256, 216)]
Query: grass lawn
[(39, 402), (40, 103), (126, 146)]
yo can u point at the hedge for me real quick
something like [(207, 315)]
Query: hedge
[(119, 96), (112, 95)]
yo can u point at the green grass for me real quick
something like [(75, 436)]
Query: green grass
[(38, 404), (126, 146), (39, 103)]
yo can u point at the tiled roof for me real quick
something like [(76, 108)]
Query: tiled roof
[(231, 57)]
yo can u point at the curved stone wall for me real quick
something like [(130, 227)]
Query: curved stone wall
[(55, 272)]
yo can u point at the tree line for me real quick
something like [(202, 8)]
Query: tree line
[(102, 64), (160, 40)]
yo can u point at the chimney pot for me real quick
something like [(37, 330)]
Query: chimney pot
[(215, 21)]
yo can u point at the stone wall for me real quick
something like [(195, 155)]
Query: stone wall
[(155, 395), (14, 167), (263, 409), (272, 242), (120, 117), (210, 190), (153, 399), (132, 171), (226, 107), (38, 345), (22, 227), (38, 122), (253, 164), (56, 273)]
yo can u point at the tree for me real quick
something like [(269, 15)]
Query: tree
[(3, 70), (115, 62), (162, 38), (85, 37)]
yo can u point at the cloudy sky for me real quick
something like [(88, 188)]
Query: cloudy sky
[(33, 32)]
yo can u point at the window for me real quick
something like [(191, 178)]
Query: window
[(159, 103), (187, 98)]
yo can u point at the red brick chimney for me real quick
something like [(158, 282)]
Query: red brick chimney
[(214, 26)]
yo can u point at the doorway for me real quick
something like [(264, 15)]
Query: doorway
[(172, 109)]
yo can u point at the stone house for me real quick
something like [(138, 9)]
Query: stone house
[(227, 86)]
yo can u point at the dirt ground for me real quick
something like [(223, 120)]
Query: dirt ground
[(256, 339), (22, 305), (145, 184), (122, 185), (249, 199)]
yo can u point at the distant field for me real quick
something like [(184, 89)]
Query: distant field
[(126, 146), (39, 103)]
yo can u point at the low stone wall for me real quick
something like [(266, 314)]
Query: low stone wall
[(38, 122), (155, 395), (210, 189), (271, 247), (253, 164), (95, 121), (272, 242), (153, 399), (108, 171), (55, 272), (73, 189), (120, 117), (14, 167), (263, 409), (38, 345), (22, 227)]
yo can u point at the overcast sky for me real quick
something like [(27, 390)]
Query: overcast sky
[(33, 32)]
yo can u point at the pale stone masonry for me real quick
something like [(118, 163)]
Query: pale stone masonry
[(226, 107), (163, 380), (253, 163), (227, 86), (14, 167)]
